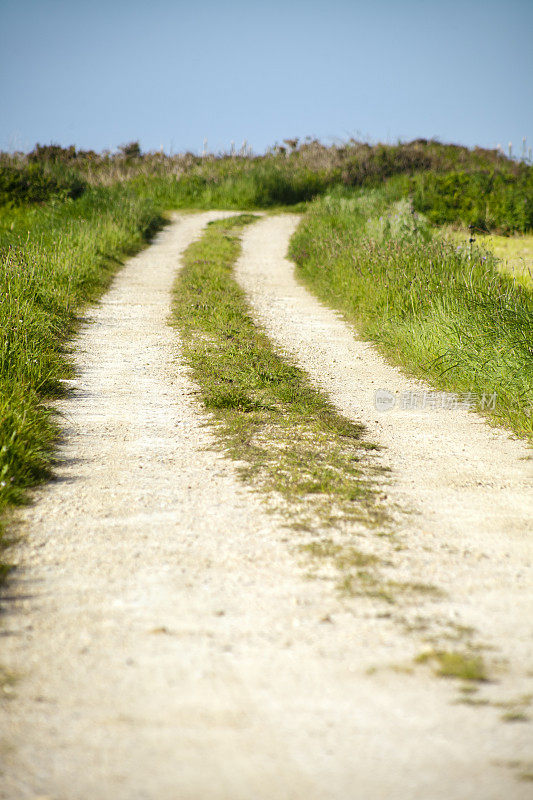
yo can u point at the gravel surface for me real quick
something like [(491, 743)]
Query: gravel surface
[(165, 641)]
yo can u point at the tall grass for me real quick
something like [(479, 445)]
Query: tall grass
[(442, 312), (231, 185)]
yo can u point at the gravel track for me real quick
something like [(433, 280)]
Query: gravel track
[(165, 640)]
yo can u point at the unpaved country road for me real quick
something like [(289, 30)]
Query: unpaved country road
[(167, 644)]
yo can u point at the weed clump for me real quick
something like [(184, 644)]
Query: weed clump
[(454, 664)]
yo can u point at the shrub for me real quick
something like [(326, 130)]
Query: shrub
[(486, 200), (131, 150), (32, 183)]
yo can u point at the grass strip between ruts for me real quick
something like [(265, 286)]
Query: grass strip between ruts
[(286, 435)]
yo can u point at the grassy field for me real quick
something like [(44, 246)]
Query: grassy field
[(515, 255)]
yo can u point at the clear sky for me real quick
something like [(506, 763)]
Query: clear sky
[(168, 72)]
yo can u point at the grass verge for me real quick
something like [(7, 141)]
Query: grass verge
[(54, 259), (444, 313)]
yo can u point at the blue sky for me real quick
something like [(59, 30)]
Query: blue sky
[(171, 73)]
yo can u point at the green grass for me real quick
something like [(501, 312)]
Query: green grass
[(288, 441), (54, 259), (515, 709), (487, 200), (69, 217), (442, 312), (236, 184), (515, 716)]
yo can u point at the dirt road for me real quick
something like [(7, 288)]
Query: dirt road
[(166, 642)]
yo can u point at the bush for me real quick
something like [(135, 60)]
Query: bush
[(55, 154), (32, 183), (131, 150), (486, 200)]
